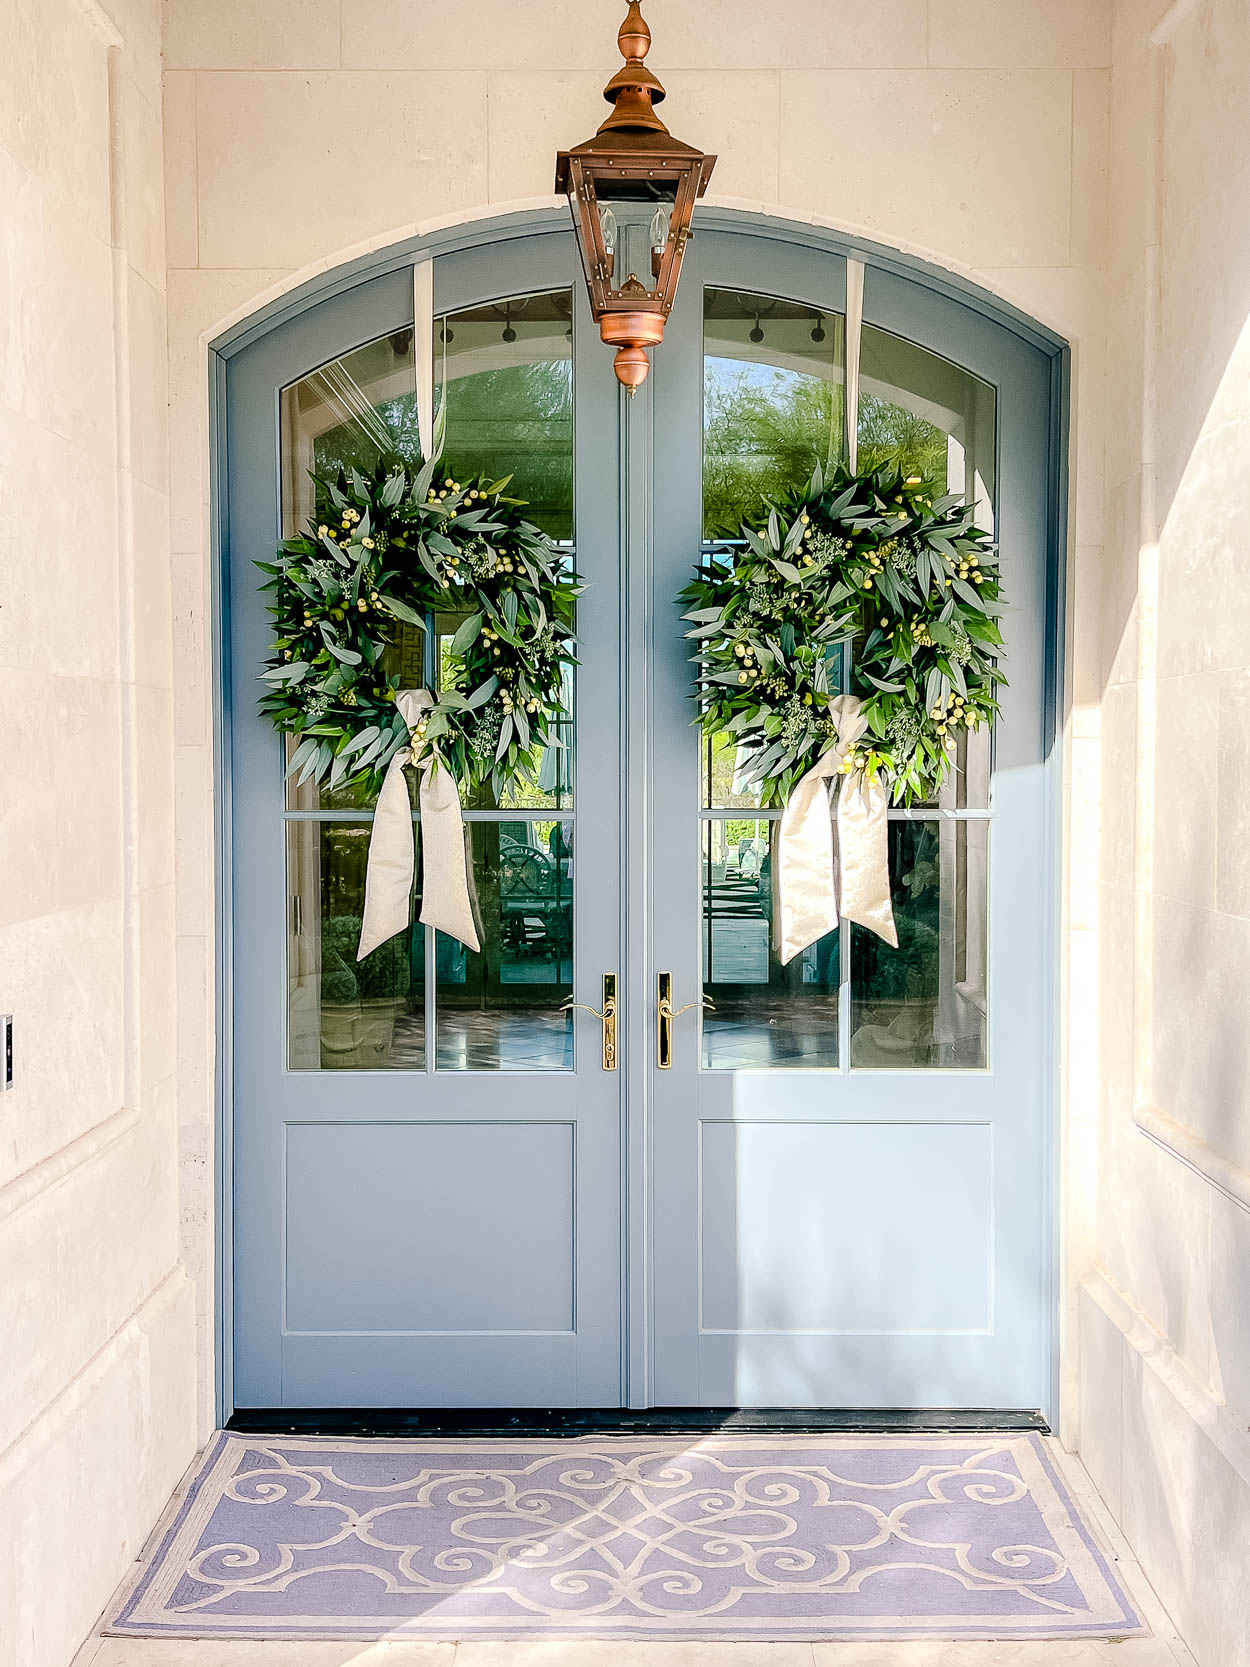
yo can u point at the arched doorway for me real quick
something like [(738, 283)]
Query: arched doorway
[(838, 1193)]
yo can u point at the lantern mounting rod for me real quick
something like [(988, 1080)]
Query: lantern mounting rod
[(633, 92)]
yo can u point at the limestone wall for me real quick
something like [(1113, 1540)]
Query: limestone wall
[(1165, 1326), (96, 1314)]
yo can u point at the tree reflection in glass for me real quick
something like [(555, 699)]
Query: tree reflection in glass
[(773, 402)]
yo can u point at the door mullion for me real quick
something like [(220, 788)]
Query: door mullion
[(637, 564), (854, 328)]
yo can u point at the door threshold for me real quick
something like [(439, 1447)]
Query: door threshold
[(560, 1422)]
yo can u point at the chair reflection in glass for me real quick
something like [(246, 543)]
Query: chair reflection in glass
[(535, 894)]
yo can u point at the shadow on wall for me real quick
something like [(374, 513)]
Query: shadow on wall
[(1175, 814)]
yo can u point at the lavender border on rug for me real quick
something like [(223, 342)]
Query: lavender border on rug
[(731, 1537)]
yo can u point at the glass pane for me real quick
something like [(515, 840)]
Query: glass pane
[(507, 372), (931, 418), (345, 1015), (928, 416), (923, 1005), (354, 410), (764, 1013), (500, 1010), (773, 401)]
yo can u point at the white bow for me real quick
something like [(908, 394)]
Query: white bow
[(392, 862), (810, 898)]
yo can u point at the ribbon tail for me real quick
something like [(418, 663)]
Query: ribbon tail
[(864, 856), (445, 900), (475, 903), (807, 889), (391, 864)]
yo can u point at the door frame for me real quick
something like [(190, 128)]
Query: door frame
[(635, 500)]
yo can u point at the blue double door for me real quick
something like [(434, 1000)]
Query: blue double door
[(835, 1193)]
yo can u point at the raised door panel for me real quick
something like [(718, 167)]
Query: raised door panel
[(813, 1227), (470, 1250)]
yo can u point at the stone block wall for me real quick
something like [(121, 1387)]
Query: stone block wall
[(1164, 1364), (97, 1373)]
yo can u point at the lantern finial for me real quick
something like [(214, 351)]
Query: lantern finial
[(633, 37)]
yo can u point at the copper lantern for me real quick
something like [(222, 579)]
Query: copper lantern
[(632, 181)]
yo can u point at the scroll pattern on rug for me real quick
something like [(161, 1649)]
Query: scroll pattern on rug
[(727, 1537)]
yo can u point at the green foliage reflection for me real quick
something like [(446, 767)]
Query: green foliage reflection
[(518, 421), (765, 429), (889, 433)]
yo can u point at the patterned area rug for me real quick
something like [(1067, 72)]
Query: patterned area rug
[(731, 1537)]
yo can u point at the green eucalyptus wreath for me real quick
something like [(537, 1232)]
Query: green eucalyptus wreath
[(384, 554), (867, 562)]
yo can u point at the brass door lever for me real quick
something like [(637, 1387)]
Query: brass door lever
[(605, 1015), (665, 1013)]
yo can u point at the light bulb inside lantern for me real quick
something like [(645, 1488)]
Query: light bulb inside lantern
[(661, 220), (607, 226)]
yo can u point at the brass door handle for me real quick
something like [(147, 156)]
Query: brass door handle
[(665, 1013), (606, 1016)]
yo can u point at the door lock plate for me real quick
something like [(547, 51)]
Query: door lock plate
[(606, 1016)]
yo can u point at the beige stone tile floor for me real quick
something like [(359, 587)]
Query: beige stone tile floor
[(1164, 1649), (153, 1652)]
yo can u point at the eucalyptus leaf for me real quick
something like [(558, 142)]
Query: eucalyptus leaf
[(348, 656), (505, 736), (301, 755), (401, 610), (468, 633), (360, 741), (482, 694), (393, 489)]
